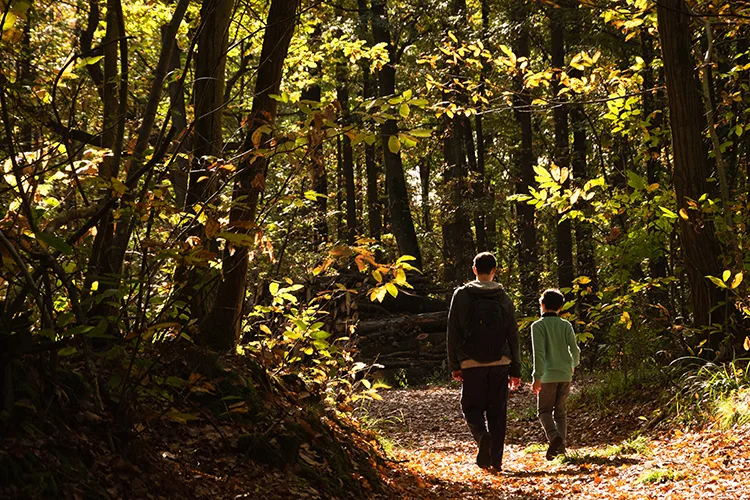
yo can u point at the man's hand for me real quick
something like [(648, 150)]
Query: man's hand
[(457, 375), (514, 383), (536, 386)]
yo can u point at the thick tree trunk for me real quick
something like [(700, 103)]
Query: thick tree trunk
[(658, 265), (223, 326), (525, 225), (208, 95), (691, 165), (401, 221), (458, 243), (565, 273)]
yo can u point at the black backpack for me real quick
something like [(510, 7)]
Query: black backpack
[(487, 338)]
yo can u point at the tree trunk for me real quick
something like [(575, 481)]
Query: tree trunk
[(565, 273), (525, 225), (223, 326), (658, 265), (315, 135), (402, 224), (691, 165), (369, 90)]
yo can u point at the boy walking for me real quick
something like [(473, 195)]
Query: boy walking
[(556, 354), (483, 354)]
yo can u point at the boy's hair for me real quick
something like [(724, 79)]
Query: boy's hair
[(552, 299), (485, 262)]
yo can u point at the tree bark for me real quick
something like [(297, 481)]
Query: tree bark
[(691, 166), (223, 326), (402, 224), (525, 224), (369, 90), (565, 273)]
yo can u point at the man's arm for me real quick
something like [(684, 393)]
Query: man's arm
[(513, 343), (454, 334)]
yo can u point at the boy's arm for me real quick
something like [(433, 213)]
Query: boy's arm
[(453, 334), (513, 343), (575, 351), (539, 351)]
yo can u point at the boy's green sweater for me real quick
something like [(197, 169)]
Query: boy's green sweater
[(556, 352)]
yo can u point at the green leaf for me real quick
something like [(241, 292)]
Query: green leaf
[(716, 281), (394, 145), (403, 110), (422, 133), (668, 213), (53, 241)]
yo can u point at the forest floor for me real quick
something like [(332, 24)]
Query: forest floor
[(609, 455)]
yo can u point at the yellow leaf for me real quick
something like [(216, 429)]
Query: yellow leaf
[(737, 280), (265, 329), (391, 288), (684, 214), (400, 277), (747, 343), (377, 275), (725, 275), (584, 280)]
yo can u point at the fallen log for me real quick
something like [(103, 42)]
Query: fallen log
[(428, 323)]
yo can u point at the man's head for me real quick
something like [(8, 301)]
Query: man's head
[(485, 265), (552, 300)]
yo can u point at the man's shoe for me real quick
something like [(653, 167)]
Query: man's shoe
[(497, 465), (554, 448), (484, 459)]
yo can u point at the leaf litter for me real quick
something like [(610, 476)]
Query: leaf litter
[(430, 439)]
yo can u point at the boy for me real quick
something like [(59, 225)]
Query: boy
[(483, 354), (556, 354)]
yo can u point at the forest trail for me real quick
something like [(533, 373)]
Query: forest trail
[(428, 435)]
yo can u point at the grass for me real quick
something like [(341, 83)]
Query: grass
[(613, 386), (638, 445), (660, 476), (733, 409), (713, 392), (535, 448)]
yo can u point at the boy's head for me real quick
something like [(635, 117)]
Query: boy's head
[(552, 300), (484, 264)]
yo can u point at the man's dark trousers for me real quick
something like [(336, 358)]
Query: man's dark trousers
[(485, 393)]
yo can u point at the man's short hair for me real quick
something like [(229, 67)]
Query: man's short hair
[(485, 262), (553, 299)]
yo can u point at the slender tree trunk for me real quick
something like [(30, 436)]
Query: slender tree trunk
[(401, 221), (425, 169), (691, 166), (565, 273), (369, 90), (223, 326), (315, 136), (525, 224)]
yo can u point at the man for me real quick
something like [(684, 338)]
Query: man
[(483, 354)]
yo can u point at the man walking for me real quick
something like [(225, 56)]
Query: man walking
[(483, 354)]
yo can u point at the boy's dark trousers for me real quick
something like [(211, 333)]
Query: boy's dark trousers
[(551, 409), (485, 394)]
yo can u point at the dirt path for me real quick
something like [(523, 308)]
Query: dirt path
[(427, 432)]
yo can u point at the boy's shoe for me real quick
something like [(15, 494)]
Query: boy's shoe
[(554, 448), (484, 459)]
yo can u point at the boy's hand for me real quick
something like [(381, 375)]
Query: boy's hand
[(514, 383), (536, 386), (457, 375)]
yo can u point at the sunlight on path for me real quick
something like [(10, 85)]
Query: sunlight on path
[(427, 432)]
